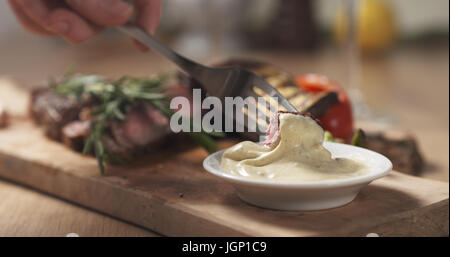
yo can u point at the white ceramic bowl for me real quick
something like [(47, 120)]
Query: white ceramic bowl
[(304, 196)]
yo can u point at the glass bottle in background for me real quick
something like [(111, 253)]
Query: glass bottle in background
[(352, 45), (281, 25)]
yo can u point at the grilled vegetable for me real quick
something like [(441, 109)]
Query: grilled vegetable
[(328, 136), (338, 118), (359, 138)]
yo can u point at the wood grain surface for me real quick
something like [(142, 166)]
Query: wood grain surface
[(170, 193), (26, 212)]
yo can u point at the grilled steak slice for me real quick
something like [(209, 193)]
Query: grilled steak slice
[(113, 148), (273, 131), (54, 111), (402, 150), (67, 120), (75, 133), (143, 128)]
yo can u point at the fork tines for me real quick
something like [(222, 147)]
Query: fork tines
[(266, 101)]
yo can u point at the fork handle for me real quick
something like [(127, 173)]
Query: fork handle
[(185, 64)]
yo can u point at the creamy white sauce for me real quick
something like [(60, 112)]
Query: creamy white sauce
[(298, 155)]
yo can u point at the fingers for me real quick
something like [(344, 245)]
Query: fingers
[(80, 20), (58, 20), (148, 15), (71, 26), (27, 23), (103, 12)]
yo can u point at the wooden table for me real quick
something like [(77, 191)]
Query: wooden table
[(26, 212), (411, 83)]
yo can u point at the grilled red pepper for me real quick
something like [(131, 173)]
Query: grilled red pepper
[(338, 119)]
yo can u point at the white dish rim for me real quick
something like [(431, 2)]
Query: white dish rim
[(303, 184)]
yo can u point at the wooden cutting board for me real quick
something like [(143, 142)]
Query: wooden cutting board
[(169, 192)]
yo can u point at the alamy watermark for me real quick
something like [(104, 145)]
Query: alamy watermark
[(240, 114)]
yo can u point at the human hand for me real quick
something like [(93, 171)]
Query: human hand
[(79, 20)]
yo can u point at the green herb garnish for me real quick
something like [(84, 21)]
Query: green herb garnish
[(115, 99)]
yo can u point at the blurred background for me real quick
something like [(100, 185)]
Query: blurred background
[(391, 56)]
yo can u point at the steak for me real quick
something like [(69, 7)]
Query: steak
[(273, 131), (75, 133), (144, 128), (53, 111), (402, 150), (69, 120)]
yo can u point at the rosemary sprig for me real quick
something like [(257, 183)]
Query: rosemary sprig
[(115, 99)]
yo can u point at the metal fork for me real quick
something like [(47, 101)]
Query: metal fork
[(220, 82)]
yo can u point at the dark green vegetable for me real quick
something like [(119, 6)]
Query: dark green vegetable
[(115, 99), (358, 138)]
